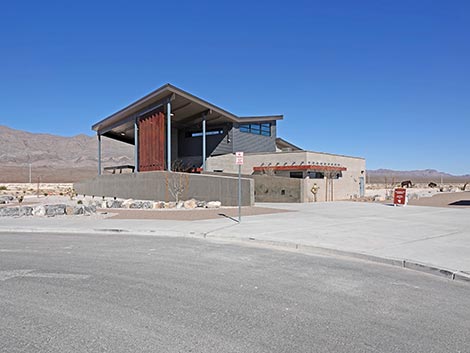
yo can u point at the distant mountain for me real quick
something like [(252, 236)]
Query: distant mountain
[(425, 175), (55, 158)]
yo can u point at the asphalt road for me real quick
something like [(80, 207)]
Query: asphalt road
[(120, 293)]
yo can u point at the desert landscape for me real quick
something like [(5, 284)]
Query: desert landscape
[(55, 159), (48, 165)]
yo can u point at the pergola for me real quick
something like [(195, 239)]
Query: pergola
[(145, 123)]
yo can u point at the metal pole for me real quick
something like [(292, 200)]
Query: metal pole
[(136, 146), (99, 154), (204, 142), (168, 136), (239, 193)]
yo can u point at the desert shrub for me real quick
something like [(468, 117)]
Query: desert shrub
[(79, 202), (3, 188)]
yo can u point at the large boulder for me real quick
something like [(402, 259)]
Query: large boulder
[(9, 211), (170, 204), (190, 204), (89, 209), (55, 210), (158, 205), (213, 204), (114, 204), (201, 204), (127, 203), (39, 210), (136, 204), (147, 205), (26, 211)]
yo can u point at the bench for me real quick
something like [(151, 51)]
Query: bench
[(120, 168)]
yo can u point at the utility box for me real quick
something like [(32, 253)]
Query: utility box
[(399, 196)]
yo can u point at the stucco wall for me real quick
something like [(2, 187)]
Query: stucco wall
[(157, 186), (344, 188)]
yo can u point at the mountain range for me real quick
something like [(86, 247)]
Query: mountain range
[(67, 159), (56, 158), (421, 176)]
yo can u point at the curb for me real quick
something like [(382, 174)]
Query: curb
[(454, 275), (408, 264)]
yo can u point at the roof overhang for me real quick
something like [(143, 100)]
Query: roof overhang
[(186, 108)]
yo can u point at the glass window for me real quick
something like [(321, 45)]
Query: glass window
[(208, 133), (257, 129), (245, 128)]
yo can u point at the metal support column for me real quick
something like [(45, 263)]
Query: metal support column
[(168, 136), (136, 146), (204, 142), (99, 154)]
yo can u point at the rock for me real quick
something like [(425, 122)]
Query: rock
[(55, 210), (26, 211), (78, 210), (190, 204), (127, 203), (180, 205), (170, 204), (201, 204), (136, 204), (39, 211), (7, 198), (147, 205), (213, 204), (69, 210), (104, 204), (158, 204), (89, 209), (9, 211), (114, 204)]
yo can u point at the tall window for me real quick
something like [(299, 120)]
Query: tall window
[(257, 129)]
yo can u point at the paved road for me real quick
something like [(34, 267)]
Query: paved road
[(121, 293)]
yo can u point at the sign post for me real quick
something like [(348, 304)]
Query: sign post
[(239, 162)]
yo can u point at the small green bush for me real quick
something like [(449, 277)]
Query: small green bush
[(3, 188), (79, 202)]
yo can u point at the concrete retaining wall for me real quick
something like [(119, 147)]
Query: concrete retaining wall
[(161, 186), (272, 188)]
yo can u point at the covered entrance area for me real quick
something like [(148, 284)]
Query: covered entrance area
[(170, 129)]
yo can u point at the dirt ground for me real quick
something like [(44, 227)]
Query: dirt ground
[(189, 215), (453, 199)]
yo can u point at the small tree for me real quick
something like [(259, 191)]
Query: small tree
[(176, 184)]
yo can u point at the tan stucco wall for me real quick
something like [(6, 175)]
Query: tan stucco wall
[(344, 188)]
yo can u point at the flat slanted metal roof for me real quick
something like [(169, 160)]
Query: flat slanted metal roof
[(186, 109)]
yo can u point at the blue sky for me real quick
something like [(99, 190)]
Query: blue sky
[(386, 80)]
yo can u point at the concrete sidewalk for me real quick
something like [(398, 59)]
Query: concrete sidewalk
[(438, 238)]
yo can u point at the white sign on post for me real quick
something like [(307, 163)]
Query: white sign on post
[(239, 158)]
